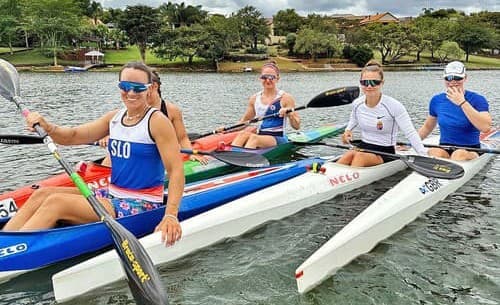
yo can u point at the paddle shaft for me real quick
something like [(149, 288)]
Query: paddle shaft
[(479, 150)]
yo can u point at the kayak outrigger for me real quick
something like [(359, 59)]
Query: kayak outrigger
[(21, 252)]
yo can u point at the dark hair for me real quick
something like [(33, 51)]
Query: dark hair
[(156, 79), (373, 66), (273, 65), (138, 66)]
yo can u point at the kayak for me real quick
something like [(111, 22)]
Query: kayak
[(195, 171), (231, 219), (21, 252), (399, 206), (97, 175)]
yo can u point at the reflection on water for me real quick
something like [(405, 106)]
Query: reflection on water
[(449, 255)]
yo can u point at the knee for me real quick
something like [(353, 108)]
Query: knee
[(438, 152), (463, 155)]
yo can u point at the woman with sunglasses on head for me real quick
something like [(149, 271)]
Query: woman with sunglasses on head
[(270, 100), (142, 145), (379, 117), (461, 115), (172, 112)]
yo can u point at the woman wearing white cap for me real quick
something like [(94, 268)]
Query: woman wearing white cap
[(461, 115)]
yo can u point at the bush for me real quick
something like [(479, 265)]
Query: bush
[(359, 55)]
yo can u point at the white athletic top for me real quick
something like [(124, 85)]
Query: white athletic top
[(379, 125)]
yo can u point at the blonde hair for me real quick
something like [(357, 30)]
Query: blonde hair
[(373, 66), (273, 65)]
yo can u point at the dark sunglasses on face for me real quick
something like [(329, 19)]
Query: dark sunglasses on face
[(268, 76), (450, 78), (370, 82), (136, 87)]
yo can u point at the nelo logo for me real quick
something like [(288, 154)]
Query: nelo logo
[(13, 249), (97, 184), (341, 179)]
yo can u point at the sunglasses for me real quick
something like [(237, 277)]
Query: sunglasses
[(136, 87), (268, 77), (370, 82), (450, 78)]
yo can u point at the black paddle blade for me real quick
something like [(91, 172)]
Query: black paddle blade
[(143, 278), (334, 97), (241, 158), (9, 80), (20, 139), (432, 167)]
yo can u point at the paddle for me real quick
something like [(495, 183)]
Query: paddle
[(20, 139), (429, 167), (330, 98), (238, 158), (143, 278), (479, 150)]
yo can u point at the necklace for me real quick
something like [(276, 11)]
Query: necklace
[(133, 117)]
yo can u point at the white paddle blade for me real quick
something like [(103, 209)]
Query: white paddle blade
[(9, 80)]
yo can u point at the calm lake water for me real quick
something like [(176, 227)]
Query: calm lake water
[(449, 255)]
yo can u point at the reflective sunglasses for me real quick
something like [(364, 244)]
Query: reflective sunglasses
[(370, 82), (136, 87), (450, 78), (268, 76)]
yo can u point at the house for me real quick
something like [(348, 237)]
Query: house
[(272, 39), (383, 18)]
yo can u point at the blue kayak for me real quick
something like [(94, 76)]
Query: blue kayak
[(21, 252)]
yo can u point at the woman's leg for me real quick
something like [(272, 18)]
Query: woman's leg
[(464, 155), (70, 208), (438, 152), (362, 159), (346, 158), (33, 203), (260, 141), (242, 138)]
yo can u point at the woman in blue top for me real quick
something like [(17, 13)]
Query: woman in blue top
[(142, 145), (461, 115), (270, 100)]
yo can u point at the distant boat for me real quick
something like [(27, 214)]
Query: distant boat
[(247, 69), (74, 69)]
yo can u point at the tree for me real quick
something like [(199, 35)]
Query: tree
[(313, 42), (55, 21), (252, 26), (178, 15), (286, 21), (291, 38), (10, 13), (390, 40), (141, 23), (473, 36), (449, 50)]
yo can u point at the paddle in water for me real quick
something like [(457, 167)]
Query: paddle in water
[(330, 98), (430, 167), (143, 278)]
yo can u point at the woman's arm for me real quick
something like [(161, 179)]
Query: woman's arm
[(81, 134), (428, 126), (288, 102)]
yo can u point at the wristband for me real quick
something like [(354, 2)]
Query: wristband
[(460, 105)]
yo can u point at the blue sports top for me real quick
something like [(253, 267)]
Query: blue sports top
[(454, 126), (274, 126), (137, 168)]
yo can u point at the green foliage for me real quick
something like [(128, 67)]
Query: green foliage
[(291, 39), (141, 23), (177, 15), (287, 21), (473, 36), (391, 40), (448, 51), (252, 26), (359, 55), (314, 42)]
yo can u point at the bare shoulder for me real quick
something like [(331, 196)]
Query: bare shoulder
[(173, 109), (287, 99)]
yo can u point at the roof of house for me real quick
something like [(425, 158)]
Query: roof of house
[(380, 18)]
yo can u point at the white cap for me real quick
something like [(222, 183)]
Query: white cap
[(455, 68)]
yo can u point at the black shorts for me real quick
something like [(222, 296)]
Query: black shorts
[(451, 150), (387, 149)]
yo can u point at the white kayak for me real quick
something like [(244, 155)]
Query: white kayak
[(387, 215), (232, 219)]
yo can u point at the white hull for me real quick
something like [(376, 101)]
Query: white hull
[(231, 219), (399, 206)]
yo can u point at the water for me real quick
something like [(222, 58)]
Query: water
[(449, 255)]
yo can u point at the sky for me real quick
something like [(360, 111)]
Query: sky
[(268, 8)]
